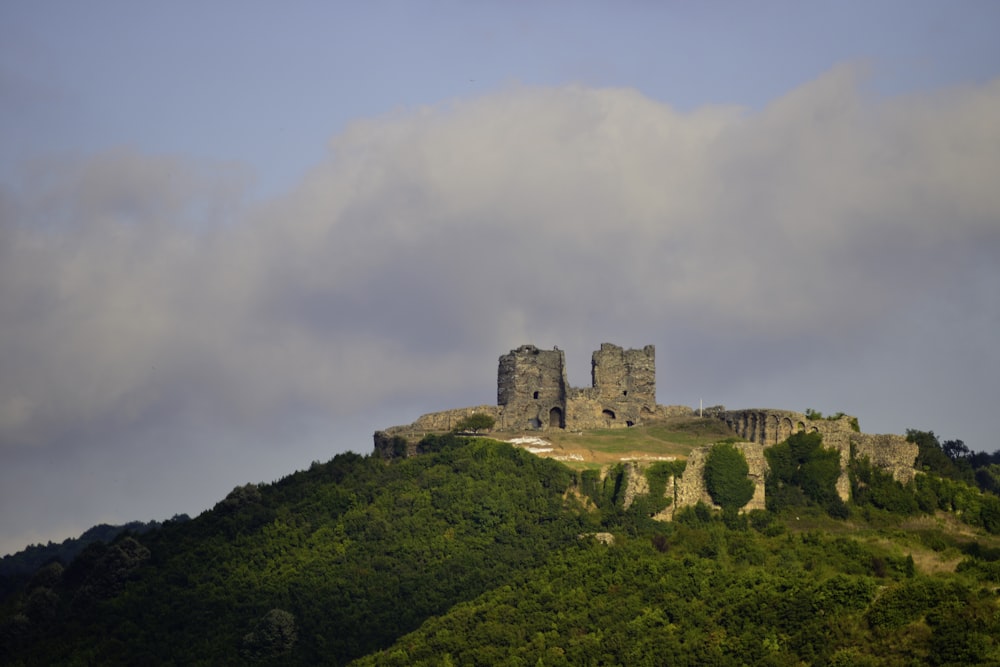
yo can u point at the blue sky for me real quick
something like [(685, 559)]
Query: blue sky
[(237, 237)]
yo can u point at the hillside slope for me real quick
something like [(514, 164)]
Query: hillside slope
[(476, 552), (356, 551)]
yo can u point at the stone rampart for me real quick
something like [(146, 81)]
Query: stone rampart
[(448, 419), (691, 489), (769, 427), (891, 453)]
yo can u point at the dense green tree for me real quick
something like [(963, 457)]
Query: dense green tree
[(932, 456), (475, 423), (802, 471), (988, 478), (273, 635), (726, 477), (872, 486)]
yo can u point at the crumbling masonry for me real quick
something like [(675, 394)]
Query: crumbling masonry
[(532, 392)]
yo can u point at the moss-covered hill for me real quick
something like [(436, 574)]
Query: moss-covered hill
[(480, 553)]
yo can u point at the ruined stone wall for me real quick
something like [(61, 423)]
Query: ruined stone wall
[(891, 453), (387, 442), (533, 393), (585, 411), (447, 419), (769, 427), (670, 411), (691, 489), (389, 445), (623, 391), (636, 483)]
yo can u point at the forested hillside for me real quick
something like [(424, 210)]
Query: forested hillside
[(16, 569), (475, 552)]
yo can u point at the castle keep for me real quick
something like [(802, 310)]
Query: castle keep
[(532, 392)]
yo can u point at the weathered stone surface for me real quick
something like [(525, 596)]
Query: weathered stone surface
[(891, 453), (394, 445), (448, 419), (624, 382), (532, 391), (691, 489), (636, 483), (691, 485)]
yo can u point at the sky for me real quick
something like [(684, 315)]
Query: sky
[(240, 237)]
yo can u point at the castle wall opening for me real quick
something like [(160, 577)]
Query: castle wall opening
[(556, 418)]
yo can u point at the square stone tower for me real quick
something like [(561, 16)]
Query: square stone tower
[(531, 388), (624, 381)]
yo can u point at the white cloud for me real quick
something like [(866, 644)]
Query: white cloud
[(135, 286)]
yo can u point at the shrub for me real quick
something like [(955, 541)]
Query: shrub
[(475, 423), (802, 471), (726, 478)]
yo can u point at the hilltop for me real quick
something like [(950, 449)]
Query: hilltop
[(618, 531), (478, 552)]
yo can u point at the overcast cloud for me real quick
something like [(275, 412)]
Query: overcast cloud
[(836, 249)]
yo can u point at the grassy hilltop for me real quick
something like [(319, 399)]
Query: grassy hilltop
[(666, 439)]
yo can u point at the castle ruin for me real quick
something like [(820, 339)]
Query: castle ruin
[(533, 395), (532, 391)]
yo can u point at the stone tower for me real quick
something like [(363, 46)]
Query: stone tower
[(624, 381), (624, 374), (531, 388)]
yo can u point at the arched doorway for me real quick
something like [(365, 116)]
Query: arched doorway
[(556, 418)]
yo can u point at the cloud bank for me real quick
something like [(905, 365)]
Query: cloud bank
[(140, 291)]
